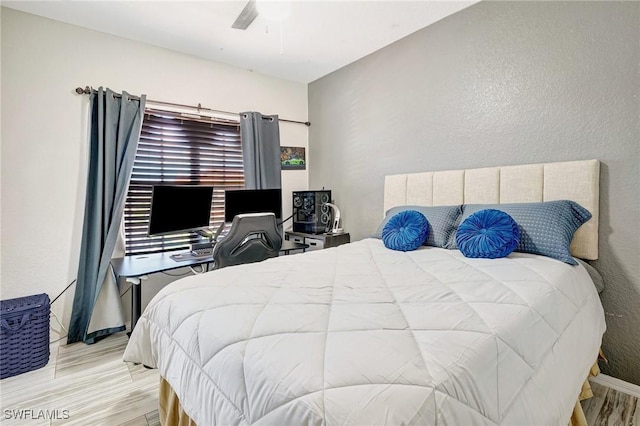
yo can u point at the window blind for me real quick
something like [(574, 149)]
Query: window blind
[(180, 149)]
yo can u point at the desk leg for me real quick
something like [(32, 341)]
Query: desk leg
[(136, 299), (136, 304)]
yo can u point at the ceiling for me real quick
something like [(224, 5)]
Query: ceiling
[(317, 38)]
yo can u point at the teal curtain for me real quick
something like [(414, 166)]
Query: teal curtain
[(116, 121), (260, 150)]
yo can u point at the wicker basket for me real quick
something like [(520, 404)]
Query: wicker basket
[(24, 334)]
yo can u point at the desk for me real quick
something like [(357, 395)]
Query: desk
[(135, 268)]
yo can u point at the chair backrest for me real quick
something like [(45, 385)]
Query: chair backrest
[(253, 237)]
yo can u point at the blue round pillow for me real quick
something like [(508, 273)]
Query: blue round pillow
[(405, 231), (489, 234)]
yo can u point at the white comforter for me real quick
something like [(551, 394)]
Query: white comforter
[(363, 335)]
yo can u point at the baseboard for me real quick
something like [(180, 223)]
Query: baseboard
[(617, 384)]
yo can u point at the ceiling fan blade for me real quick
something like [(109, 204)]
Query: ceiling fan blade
[(246, 17)]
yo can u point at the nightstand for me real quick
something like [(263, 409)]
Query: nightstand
[(317, 241)]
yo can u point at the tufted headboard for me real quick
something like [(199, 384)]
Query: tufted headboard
[(572, 180)]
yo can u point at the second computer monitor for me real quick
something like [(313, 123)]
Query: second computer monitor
[(252, 201)]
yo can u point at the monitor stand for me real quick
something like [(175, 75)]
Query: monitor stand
[(210, 235)]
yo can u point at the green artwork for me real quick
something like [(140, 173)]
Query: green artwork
[(292, 158)]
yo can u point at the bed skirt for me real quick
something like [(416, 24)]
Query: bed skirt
[(172, 414), (169, 408), (578, 418)]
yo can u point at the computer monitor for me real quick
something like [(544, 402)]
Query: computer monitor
[(179, 209), (252, 201)]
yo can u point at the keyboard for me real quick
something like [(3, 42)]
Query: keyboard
[(204, 252)]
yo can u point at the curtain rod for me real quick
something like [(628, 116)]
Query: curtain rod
[(87, 91)]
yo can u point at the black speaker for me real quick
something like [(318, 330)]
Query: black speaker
[(310, 215)]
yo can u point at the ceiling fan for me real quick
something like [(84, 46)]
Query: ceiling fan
[(247, 16), (273, 10)]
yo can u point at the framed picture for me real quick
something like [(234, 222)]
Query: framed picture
[(292, 158)]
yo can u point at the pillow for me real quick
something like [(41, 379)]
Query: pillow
[(546, 228), (405, 231), (488, 233), (443, 221)]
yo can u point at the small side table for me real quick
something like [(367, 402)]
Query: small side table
[(318, 241), (288, 246)]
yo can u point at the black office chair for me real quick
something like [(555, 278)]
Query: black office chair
[(252, 238)]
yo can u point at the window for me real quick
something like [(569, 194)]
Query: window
[(179, 149)]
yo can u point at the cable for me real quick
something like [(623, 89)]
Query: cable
[(174, 275), (202, 271), (58, 339), (59, 323), (55, 316), (62, 292), (126, 291), (286, 219)]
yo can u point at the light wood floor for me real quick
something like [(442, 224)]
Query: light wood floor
[(609, 407), (91, 382), (95, 387)]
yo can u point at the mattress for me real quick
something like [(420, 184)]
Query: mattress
[(360, 334)]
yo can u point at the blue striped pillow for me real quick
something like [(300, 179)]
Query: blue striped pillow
[(443, 221), (546, 228)]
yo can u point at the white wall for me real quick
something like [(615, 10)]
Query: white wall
[(44, 135)]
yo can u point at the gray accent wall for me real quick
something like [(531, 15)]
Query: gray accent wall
[(499, 83)]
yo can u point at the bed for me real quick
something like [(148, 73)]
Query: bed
[(363, 335)]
